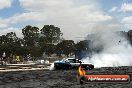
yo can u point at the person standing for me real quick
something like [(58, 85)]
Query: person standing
[(3, 58)]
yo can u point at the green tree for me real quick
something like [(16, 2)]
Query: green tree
[(3, 44), (7, 43), (83, 45), (31, 35), (49, 37), (82, 49), (66, 47), (51, 34), (48, 49), (10, 44), (130, 36)]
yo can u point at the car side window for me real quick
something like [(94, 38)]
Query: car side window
[(71, 61), (67, 61)]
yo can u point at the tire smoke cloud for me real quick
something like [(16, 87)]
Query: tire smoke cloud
[(116, 50)]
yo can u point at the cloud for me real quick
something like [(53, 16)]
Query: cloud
[(126, 7), (5, 4), (103, 27), (11, 29), (127, 21), (113, 9), (3, 23), (73, 18), (40, 5), (30, 16), (59, 9)]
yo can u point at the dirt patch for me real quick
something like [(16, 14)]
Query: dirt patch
[(59, 79)]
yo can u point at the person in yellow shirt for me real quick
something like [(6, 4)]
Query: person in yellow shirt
[(17, 58)]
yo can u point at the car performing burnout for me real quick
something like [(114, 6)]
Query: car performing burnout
[(71, 63)]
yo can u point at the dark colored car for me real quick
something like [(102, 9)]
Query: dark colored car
[(71, 63)]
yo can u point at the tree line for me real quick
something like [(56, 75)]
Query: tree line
[(48, 40), (35, 42)]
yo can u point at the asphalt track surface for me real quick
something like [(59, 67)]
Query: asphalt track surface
[(59, 79)]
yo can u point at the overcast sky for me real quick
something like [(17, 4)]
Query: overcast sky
[(76, 18)]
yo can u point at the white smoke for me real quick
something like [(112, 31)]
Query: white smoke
[(52, 67), (116, 50)]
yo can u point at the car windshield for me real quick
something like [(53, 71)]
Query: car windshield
[(71, 60)]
